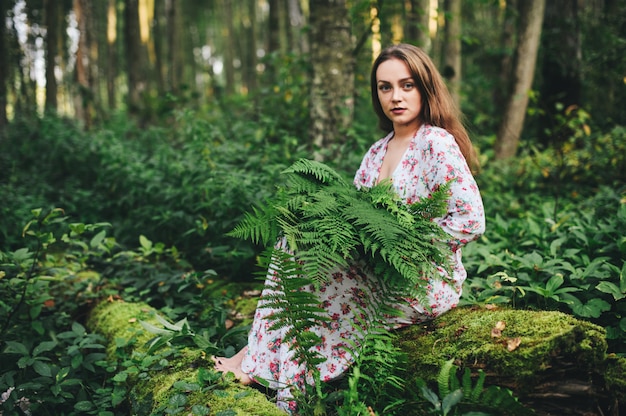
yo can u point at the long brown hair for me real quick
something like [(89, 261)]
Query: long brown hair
[(438, 107)]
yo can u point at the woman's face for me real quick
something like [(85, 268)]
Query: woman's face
[(398, 94)]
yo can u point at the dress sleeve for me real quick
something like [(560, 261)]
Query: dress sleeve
[(369, 170), (444, 162)]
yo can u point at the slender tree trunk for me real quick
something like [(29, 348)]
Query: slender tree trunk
[(133, 57), (251, 56), (273, 39), (84, 106), (229, 45), (111, 53), (417, 21), (52, 42), (452, 48), (507, 39), (4, 68), (332, 89), (159, 22), (297, 21), (531, 19)]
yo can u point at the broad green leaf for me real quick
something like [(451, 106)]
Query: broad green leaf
[(611, 289), (42, 368), (178, 400), (120, 377), (554, 283), (77, 360), (153, 329), (592, 309), (18, 347), (97, 239), (145, 243), (451, 400), (200, 410), (78, 329), (43, 347), (83, 406)]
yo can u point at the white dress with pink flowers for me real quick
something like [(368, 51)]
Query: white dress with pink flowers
[(432, 159)]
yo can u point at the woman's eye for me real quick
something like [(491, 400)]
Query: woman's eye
[(408, 85), (384, 88)]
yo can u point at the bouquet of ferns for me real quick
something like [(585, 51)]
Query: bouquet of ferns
[(328, 222)]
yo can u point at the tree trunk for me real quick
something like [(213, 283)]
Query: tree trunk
[(84, 99), (249, 47), (531, 18), (452, 49), (111, 53), (417, 23), (507, 38), (52, 17), (561, 66), (4, 68), (119, 321), (332, 89), (174, 45), (559, 366), (134, 66), (229, 47)]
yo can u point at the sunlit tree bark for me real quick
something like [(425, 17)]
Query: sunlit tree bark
[(531, 19), (452, 48), (332, 89)]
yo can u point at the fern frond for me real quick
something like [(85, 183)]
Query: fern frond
[(258, 226), (321, 172), (443, 379)]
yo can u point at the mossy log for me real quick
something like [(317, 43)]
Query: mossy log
[(174, 383), (554, 363)]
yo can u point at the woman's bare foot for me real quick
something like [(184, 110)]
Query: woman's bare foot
[(233, 365)]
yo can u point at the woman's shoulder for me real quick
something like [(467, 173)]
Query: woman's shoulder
[(430, 131), (380, 143), (435, 137)]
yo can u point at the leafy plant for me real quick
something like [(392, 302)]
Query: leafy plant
[(457, 397), (327, 222)]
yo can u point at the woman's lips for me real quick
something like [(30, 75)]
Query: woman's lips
[(398, 110)]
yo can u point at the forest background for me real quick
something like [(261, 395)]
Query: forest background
[(135, 134)]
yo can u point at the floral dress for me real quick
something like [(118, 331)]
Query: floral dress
[(432, 159)]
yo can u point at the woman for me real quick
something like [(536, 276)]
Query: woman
[(426, 146)]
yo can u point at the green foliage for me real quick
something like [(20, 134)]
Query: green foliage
[(51, 362), (461, 397), (327, 222), (554, 239), (185, 185)]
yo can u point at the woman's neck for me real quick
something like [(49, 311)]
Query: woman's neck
[(405, 133)]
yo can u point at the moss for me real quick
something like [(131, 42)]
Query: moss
[(466, 335), (153, 389), (245, 308), (615, 376)]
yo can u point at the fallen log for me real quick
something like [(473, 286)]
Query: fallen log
[(174, 381), (554, 363)]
